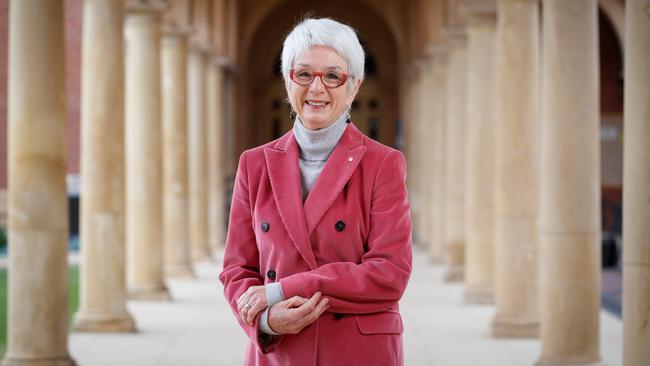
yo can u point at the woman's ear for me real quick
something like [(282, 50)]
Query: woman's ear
[(353, 93)]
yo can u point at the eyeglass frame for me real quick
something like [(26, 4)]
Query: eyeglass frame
[(320, 75)]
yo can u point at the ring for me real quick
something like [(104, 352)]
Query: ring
[(247, 306)]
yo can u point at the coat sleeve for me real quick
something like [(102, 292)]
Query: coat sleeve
[(379, 281), (241, 268)]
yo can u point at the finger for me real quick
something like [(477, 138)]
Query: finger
[(321, 307), (252, 313), (242, 297), (308, 307), (295, 302)]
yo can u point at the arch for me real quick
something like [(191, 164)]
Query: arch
[(615, 12), (261, 46)]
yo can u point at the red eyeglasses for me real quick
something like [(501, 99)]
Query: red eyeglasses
[(331, 79)]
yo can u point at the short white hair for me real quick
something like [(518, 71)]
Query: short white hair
[(324, 32)]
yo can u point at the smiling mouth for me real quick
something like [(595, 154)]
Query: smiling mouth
[(316, 104)]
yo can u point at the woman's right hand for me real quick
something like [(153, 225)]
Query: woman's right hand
[(292, 315)]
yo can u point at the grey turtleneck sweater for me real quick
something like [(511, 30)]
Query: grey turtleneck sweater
[(315, 148)]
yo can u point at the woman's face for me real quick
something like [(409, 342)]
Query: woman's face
[(317, 105)]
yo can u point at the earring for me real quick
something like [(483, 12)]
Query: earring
[(349, 119), (292, 114)]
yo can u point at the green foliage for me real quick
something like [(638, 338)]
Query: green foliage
[(73, 301)]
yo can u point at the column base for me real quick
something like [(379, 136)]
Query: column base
[(454, 274), (103, 322), (546, 362), (53, 361), (150, 294), (504, 328), (436, 258), (179, 271), (202, 257), (478, 295)]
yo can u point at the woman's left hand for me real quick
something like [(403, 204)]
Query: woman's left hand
[(251, 302)]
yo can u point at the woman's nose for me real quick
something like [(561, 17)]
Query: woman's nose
[(317, 84)]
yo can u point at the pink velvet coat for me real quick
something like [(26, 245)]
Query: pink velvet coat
[(351, 241)]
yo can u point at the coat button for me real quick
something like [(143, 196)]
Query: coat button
[(265, 226), (270, 274), (340, 225), (338, 316)]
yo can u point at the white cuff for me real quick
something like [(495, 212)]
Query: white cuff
[(273, 293), (264, 323)]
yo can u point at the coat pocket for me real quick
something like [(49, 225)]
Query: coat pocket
[(387, 322)]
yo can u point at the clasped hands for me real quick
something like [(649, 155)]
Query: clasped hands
[(286, 317)]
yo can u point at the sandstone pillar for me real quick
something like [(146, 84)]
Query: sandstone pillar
[(144, 235), (415, 156), (216, 162), (479, 163), (438, 142), (425, 150), (570, 185), (636, 226), (37, 332), (175, 161), (455, 158), (516, 170), (198, 177), (103, 292)]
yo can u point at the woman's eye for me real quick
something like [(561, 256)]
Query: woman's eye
[(333, 76), (303, 74)]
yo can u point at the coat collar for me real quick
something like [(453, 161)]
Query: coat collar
[(284, 173)]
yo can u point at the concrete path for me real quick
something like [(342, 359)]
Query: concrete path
[(197, 329)]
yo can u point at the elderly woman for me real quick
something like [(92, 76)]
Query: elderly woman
[(319, 244)]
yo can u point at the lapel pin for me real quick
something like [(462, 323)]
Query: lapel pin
[(350, 158)]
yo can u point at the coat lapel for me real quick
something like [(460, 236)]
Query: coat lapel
[(284, 172), (337, 171)]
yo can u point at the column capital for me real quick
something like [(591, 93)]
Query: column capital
[(481, 14), (223, 61), (201, 47), (456, 37), (175, 30), (141, 6)]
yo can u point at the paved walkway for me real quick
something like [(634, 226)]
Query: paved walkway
[(197, 329)]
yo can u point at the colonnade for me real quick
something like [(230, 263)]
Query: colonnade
[(504, 152), (152, 117), (520, 219)]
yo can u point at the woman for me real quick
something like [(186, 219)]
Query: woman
[(319, 243)]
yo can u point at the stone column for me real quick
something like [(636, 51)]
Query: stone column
[(425, 135), (479, 162), (103, 292), (415, 156), (570, 185), (216, 164), (439, 198), (175, 182), (636, 226), (455, 158), (516, 169), (144, 234), (198, 177), (37, 331)]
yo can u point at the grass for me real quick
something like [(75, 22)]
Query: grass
[(73, 301)]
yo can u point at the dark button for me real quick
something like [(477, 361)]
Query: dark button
[(338, 316), (270, 274), (265, 226), (340, 225)]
